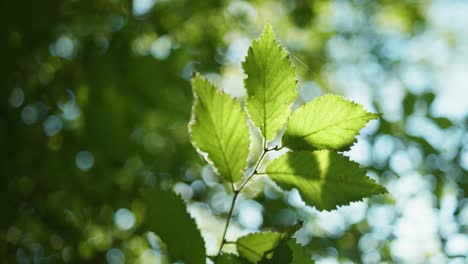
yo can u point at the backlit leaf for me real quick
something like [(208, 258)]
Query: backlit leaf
[(328, 122), (271, 84), (219, 130), (325, 179)]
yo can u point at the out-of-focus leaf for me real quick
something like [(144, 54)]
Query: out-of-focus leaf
[(426, 146), (300, 254), (169, 219), (271, 84), (408, 103), (325, 179), (442, 122), (229, 259), (328, 122), (429, 98), (219, 130), (303, 13)]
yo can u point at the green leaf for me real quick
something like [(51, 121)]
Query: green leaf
[(442, 122), (253, 247), (219, 130), (300, 254), (325, 179), (288, 251), (328, 122), (169, 219), (408, 104), (281, 254), (271, 84), (226, 258)]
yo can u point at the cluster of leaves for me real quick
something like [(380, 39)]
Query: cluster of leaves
[(52, 209), (221, 129)]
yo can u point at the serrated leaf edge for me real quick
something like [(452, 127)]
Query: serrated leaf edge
[(192, 122), (375, 116), (190, 217), (288, 58), (337, 206)]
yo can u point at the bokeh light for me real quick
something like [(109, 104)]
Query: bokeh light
[(124, 219), (96, 99), (84, 160)]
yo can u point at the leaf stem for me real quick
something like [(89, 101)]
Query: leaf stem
[(254, 170), (231, 210), (236, 192)]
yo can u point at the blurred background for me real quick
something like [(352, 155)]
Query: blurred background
[(95, 100)]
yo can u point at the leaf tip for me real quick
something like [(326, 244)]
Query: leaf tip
[(267, 27), (381, 190), (376, 115)]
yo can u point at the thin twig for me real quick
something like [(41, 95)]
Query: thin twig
[(254, 171), (236, 192), (231, 210)]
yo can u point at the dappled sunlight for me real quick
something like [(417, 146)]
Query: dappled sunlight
[(96, 99)]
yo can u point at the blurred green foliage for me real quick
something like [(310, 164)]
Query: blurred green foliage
[(95, 99)]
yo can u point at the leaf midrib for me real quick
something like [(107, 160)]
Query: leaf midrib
[(221, 146), (319, 179), (332, 125)]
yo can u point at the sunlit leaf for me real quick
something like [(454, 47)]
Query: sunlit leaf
[(256, 246), (271, 84), (169, 219), (325, 179), (328, 122), (219, 130)]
